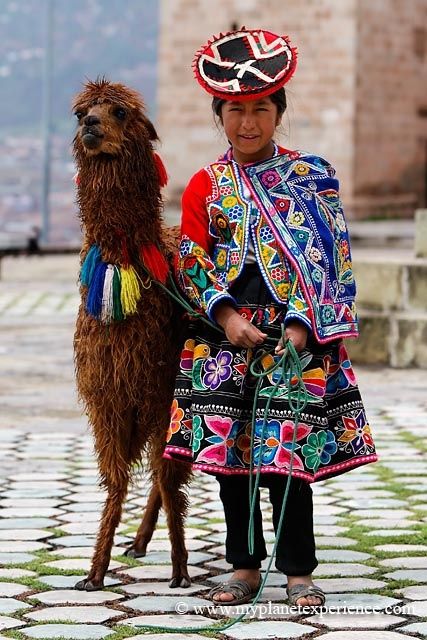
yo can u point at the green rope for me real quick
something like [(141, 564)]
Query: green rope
[(289, 368), (179, 298)]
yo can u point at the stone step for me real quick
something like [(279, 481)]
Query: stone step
[(382, 233), (396, 339)]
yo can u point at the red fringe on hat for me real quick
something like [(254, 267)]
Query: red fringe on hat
[(155, 262), (161, 170)]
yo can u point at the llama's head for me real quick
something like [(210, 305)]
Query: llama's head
[(111, 119)]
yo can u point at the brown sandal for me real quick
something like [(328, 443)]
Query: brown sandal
[(240, 589), (303, 591)]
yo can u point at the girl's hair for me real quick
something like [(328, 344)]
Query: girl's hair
[(278, 98)]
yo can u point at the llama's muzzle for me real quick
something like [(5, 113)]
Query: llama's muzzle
[(91, 138)]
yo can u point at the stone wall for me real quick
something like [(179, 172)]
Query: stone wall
[(390, 134)]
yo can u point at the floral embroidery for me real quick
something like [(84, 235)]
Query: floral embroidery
[(341, 222), (282, 204), (232, 273), (271, 178), (184, 248), (217, 370), (328, 314), (228, 202), (276, 445), (186, 362), (235, 213), (240, 368), (296, 218), (299, 305), (314, 381), (315, 254), (302, 236), (283, 454), (266, 234), (317, 275), (344, 249), (197, 433), (278, 274), (221, 257), (357, 432), (221, 451), (177, 415), (340, 373), (318, 449), (234, 258), (283, 290), (302, 169)]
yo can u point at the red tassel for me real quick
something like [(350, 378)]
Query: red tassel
[(155, 262), (161, 170)]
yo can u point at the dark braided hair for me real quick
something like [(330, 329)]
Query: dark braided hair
[(278, 98)]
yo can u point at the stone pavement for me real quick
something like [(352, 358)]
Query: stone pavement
[(371, 524)]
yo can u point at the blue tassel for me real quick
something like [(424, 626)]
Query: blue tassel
[(96, 290), (93, 257)]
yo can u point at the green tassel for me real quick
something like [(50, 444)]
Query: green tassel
[(117, 305)]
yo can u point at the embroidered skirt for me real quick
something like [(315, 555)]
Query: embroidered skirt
[(211, 418)]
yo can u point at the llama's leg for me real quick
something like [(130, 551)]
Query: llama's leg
[(110, 519), (145, 531), (114, 461), (172, 478)]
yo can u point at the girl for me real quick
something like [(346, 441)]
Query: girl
[(264, 244)]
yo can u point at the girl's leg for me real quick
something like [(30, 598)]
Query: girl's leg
[(234, 494), (296, 549)]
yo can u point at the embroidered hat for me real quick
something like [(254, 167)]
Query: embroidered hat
[(245, 64)]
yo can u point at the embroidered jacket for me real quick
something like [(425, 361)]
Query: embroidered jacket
[(224, 205)]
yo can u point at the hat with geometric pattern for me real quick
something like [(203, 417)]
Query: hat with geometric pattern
[(245, 64)]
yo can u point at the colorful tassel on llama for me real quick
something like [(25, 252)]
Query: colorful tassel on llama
[(113, 291)]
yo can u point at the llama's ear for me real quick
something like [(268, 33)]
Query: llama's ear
[(152, 133)]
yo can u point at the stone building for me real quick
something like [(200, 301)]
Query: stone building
[(358, 97)]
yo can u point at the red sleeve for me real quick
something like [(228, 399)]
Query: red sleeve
[(194, 217)]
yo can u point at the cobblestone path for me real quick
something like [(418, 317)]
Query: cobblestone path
[(371, 524)]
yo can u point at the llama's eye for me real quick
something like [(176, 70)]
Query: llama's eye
[(79, 114), (120, 113)]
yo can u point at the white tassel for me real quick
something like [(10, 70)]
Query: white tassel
[(107, 296)]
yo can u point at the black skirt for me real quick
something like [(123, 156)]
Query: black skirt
[(211, 417)]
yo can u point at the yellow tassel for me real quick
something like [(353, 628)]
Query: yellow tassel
[(130, 293)]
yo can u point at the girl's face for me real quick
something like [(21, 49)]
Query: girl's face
[(250, 127)]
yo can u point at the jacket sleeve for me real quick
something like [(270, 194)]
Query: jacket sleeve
[(298, 308), (195, 270)]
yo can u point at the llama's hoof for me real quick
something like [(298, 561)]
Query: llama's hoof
[(180, 581), (88, 585), (134, 553)]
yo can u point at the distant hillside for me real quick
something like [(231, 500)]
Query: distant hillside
[(116, 38)]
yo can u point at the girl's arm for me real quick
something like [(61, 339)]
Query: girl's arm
[(195, 270)]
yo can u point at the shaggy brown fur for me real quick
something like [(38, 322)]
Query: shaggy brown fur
[(125, 370)]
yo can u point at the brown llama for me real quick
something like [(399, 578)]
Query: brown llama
[(126, 342)]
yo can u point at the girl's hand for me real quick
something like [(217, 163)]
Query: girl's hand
[(297, 333), (239, 331)]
